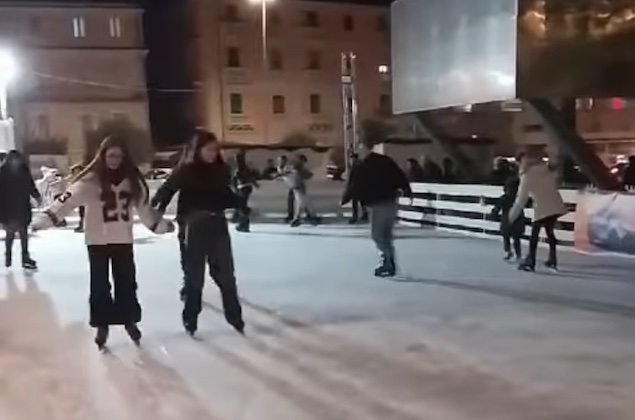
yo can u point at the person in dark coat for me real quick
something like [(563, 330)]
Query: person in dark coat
[(377, 183), (244, 180), (511, 231), (203, 182), (16, 189)]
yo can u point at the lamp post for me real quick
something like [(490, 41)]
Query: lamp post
[(263, 6), (265, 62), (8, 72)]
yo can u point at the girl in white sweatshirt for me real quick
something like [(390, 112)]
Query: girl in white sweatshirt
[(109, 187)]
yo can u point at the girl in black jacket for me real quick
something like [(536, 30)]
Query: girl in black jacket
[(16, 190), (204, 184), (511, 231)]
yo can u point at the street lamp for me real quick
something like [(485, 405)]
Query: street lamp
[(263, 5), (265, 62), (8, 72)]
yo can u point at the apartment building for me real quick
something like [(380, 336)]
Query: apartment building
[(79, 64), (293, 94)]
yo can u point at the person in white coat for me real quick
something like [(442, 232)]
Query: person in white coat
[(539, 182)]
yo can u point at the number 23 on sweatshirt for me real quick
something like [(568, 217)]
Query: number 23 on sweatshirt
[(109, 211)]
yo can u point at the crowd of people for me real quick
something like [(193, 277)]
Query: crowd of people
[(110, 188)]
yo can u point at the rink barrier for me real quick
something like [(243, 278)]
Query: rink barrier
[(467, 208)]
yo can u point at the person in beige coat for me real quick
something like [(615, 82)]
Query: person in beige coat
[(539, 182)]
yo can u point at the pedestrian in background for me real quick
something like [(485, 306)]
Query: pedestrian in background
[(17, 188), (377, 183), (539, 182)]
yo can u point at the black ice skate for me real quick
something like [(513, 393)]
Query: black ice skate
[(7, 260), (388, 268), (508, 256), (190, 325), (134, 333), (551, 265), (526, 266), (296, 222), (102, 337), (238, 326), (28, 263)]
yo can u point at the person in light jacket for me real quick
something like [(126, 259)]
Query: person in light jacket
[(539, 182), (110, 188)]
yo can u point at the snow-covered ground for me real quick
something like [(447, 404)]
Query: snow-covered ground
[(459, 335)]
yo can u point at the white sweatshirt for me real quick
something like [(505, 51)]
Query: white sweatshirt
[(109, 217)]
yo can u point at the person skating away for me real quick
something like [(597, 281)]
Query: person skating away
[(244, 180), (512, 232), (76, 170), (17, 187), (540, 183), (283, 172), (203, 182), (377, 183), (110, 187), (356, 204), (297, 180)]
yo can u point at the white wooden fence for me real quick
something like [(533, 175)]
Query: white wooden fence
[(467, 208)]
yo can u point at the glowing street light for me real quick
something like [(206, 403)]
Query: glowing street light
[(265, 57), (263, 5), (8, 72)]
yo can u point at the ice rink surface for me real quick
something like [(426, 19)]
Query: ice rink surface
[(458, 335)]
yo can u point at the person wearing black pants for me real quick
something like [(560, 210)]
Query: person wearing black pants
[(122, 307), (16, 190), (111, 188), (204, 184), (539, 182)]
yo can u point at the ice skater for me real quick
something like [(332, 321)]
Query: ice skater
[(539, 182), (244, 179), (512, 231), (377, 183), (110, 187), (17, 187), (203, 182)]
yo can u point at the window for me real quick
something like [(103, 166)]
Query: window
[(383, 69), (314, 60), (349, 23), (233, 57), (315, 104), (115, 27), (236, 103), (231, 13), (382, 23), (278, 104), (311, 19), (79, 27), (88, 123), (385, 107), (275, 60), (42, 127)]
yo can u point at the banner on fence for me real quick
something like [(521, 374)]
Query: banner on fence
[(605, 222)]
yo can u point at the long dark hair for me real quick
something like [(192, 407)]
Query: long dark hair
[(130, 171), (12, 156), (192, 151)]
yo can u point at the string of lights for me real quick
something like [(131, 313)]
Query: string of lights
[(71, 80)]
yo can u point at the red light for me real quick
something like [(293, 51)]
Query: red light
[(617, 104)]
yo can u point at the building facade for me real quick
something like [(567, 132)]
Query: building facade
[(293, 94), (79, 64)]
